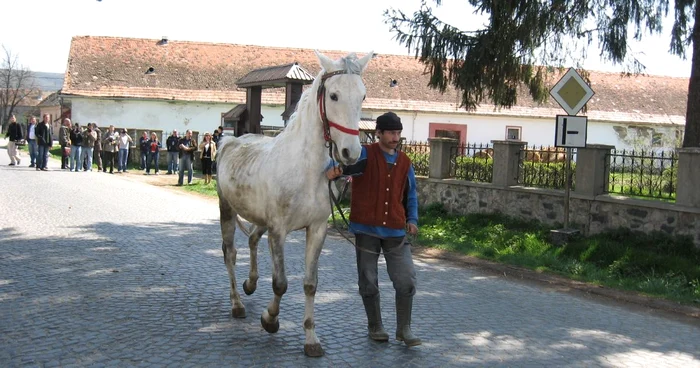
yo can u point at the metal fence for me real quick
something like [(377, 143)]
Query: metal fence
[(472, 162), (545, 167), (419, 153), (643, 173)]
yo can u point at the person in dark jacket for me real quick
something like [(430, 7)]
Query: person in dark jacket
[(144, 148), (44, 141), (172, 144), (14, 134)]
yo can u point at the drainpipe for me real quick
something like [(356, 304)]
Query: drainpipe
[(413, 126)]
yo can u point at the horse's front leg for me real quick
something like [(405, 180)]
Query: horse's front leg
[(269, 319), (251, 283), (315, 236)]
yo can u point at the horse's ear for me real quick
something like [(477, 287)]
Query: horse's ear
[(325, 62), (365, 60)]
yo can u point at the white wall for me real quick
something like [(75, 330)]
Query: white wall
[(160, 115), (484, 129)]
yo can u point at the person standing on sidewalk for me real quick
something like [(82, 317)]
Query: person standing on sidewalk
[(31, 141), (143, 149), (124, 142), (109, 147), (64, 141), (76, 139), (172, 144), (89, 139), (44, 141), (97, 155), (14, 135), (207, 153), (187, 148), (154, 146), (384, 207)]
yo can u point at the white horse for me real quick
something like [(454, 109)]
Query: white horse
[(280, 184)]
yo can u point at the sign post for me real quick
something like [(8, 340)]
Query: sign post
[(572, 93)]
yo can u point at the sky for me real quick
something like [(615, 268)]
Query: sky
[(42, 41)]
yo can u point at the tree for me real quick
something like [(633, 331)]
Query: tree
[(524, 42), (16, 84)]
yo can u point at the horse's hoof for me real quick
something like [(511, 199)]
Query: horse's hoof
[(238, 312), (313, 350), (246, 289), (270, 327)]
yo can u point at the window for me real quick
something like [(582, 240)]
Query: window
[(447, 133), (513, 133), (457, 131), (679, 138), (657, 139)]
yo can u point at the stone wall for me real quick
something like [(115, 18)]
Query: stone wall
[(590, 215), (592, 209)]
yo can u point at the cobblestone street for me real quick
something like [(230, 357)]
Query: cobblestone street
[(102, 270)]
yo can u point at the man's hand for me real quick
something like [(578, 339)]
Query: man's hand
[(334, 173), (412, 229)]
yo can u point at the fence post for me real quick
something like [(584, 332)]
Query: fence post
[(687, 193), (506, 157), (592, 170), (440, 148)]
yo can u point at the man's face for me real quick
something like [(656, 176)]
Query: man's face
[(32, 120), (46, 119), (111, 128), (189, 134), (13, 119), (174, 133), (389, 138)]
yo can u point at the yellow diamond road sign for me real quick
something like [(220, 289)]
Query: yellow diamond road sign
[(572, 92)]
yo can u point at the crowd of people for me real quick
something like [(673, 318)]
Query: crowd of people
[(83, 146)]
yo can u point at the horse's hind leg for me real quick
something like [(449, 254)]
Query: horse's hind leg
[(228, 229), (269, 319), (251, 283)]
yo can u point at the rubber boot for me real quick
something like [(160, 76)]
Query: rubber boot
[(404, 307), (374, 318)]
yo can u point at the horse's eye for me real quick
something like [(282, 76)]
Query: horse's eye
[(334, 97)]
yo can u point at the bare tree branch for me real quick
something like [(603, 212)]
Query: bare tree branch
[(17, 85)]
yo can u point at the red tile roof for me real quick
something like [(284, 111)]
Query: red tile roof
[(207, 72)]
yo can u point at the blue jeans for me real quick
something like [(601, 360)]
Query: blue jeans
[(75, 158), (33, 151), (185, 164), (42, 157), (152, 156), (123, 155), (172, 162), (87, 155), (144, 158)]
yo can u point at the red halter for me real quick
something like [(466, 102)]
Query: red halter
[(327, 124)]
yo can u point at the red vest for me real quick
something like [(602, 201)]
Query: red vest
[(377, 194)]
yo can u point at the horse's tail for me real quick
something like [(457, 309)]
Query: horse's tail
[(241, 225)]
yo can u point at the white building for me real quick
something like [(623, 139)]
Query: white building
[(165, 85)]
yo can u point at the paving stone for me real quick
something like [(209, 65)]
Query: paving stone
[(104, 270)]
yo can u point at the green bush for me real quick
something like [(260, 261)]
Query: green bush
[(473, 169), (421, 162), (546, 174)]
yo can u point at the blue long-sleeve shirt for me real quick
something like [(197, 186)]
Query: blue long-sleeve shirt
[(357, 169)]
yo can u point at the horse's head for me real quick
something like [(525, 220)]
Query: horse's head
[(340, 95)]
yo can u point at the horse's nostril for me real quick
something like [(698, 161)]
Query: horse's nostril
[(346, 153)]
